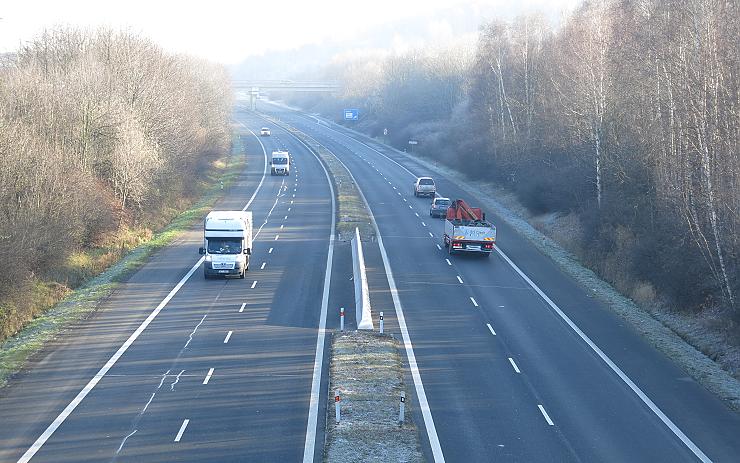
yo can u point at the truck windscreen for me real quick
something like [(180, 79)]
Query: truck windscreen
[(224, 246), (280, 161)]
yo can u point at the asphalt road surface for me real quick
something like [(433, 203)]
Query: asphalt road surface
[(517, 361), (224, 372)]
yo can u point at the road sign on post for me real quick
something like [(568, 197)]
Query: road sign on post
[(412, 143), (351, 114)]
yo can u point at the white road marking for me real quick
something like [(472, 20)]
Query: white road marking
[(410, 206), (263, 265), (285, 218), (544, 413), (395, 188), (254, 283), (439, 247), (177, 380), (416, 214), (447, 260), (291, 202), (405, 200), (490, 328), (423, 224), (645, 399), (399, 193), (459, 279), (431, 234), (289, 208), (276, 237), (124, 441), (228, 336), (244, 304), (473, 301), (513, 364), (294, 195), (281, 226), (313, 408), (192, 333), (182, 430), (208, 376), (270, 251)]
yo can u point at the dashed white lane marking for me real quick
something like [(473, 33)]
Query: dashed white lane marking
[(490, 328), (289, 208), (410, 207), (544, 413), (208, 376), (423, 224), (291, 202), (276, 237), (281, 226), (405, 200), (263, 265), (294, 195), (513, 364), (254, 283), (270, 251), (473, 301), (459, 279), (447, 260), (440, 248), (416, 214), (399, 193), (431, 234), (228, 336), (395, 188), (182, 430), (285, 218)]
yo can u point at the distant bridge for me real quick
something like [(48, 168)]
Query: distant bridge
[(255, 87)]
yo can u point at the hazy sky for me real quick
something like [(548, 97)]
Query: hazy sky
[(225, 30)]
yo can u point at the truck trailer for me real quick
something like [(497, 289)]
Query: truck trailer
[(227, 243), (467, 230)]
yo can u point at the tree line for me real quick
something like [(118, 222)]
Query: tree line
[(625, 119), (99, 131)]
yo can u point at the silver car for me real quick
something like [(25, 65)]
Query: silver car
[(439, 207)]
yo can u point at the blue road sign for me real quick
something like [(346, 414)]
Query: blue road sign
[(351, 114)]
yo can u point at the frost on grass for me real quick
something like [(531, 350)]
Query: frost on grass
[(367, 371)]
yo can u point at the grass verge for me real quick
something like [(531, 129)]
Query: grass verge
[(80, 303)]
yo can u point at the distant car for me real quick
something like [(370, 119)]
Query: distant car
[(424, 186), (265, 132), (439, 207)]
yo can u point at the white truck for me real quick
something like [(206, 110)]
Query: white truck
[(280, 163), (466, 230), (227, 243)]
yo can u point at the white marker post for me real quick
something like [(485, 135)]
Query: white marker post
[(381, 322), (341, 319), (336, 405), (402, 408)]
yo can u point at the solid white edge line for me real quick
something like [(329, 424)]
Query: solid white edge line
[(490, 328), (645, 399), (313, 408), (544, 413), (208, 376), (182, 430), (513, 364), (41, 440), (418, 385)]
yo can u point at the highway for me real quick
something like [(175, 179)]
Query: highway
[(517, 361), (225, 370), (508, 359)]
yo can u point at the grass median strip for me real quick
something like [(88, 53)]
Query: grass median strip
[(367, 370), (80, 303)]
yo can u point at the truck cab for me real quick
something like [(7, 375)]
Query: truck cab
[(227, 243), (280, 163)]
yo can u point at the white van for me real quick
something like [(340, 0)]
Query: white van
[(227, 243), (280, 163)]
